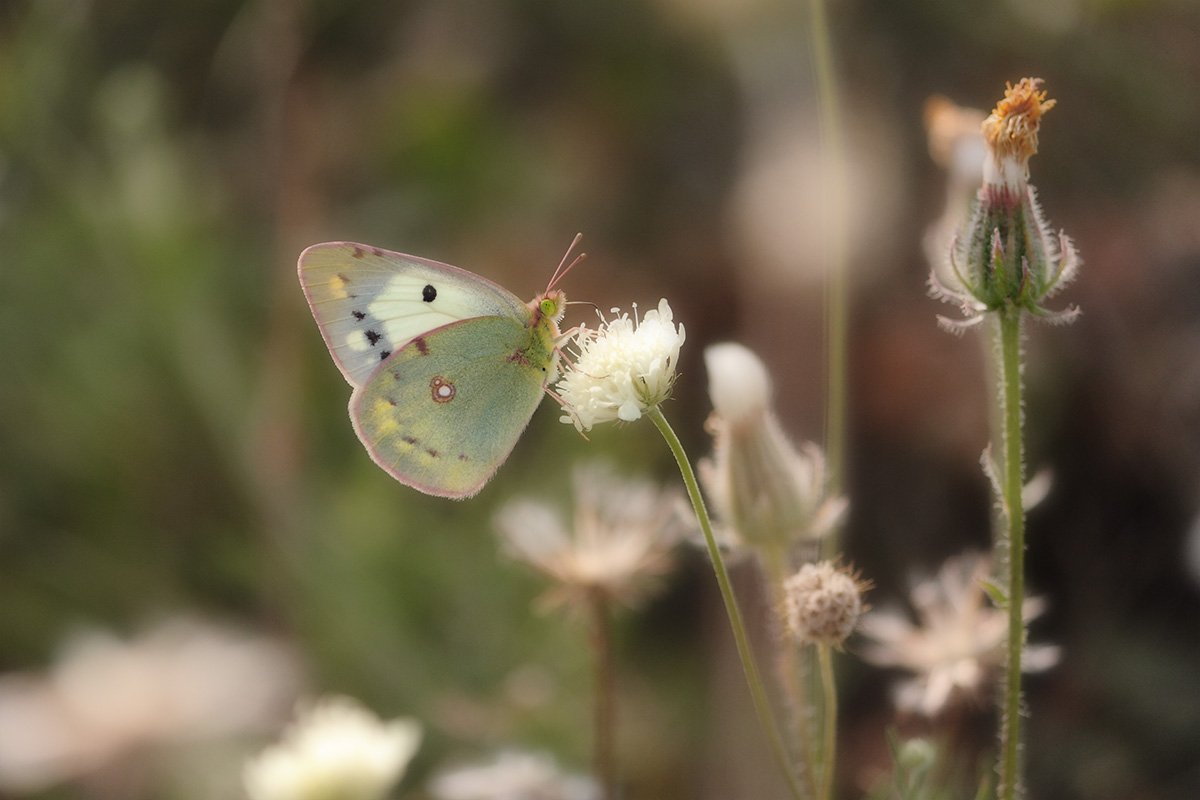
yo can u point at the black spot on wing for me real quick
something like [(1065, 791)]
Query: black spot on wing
[(383, 354), (358, 315), (372, 337), (429, 293)]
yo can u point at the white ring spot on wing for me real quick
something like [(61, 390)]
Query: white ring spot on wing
[(443, 390)]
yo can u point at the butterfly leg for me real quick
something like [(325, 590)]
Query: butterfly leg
[(570, 412)]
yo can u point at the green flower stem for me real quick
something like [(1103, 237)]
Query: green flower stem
[(1013, 483), (794, 672), (758, 691), (829, 728), (837, 292), (604, 761)]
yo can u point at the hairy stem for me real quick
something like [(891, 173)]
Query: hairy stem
[(1013, 482), (829, 726), (754, 681), (794, 671)]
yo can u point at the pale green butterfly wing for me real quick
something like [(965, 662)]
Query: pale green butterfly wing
[(443, 413), (370, 302)]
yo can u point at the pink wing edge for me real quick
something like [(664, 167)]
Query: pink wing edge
[(378, 252), (400, 476), (435, 491)]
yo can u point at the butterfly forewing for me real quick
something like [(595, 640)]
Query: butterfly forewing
[(369, 302), (446, 409)]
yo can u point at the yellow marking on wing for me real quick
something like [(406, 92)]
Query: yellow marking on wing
[(337, 287), (385, 417)]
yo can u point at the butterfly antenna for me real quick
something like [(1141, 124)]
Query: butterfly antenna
[(563, 266), (570, 412)]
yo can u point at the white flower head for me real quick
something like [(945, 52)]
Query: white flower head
[(513, 775), (621, 369), (621, 539), (957, 643), (765, 492), (336, 750)]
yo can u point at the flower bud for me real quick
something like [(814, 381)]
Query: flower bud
[(766, 492), (1005, 256), (916, 755)]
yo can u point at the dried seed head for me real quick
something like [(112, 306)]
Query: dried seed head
[(822, 604), (1011, 133)]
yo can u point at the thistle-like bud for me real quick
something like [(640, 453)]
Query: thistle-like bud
[(822, 604), (1005, 256)]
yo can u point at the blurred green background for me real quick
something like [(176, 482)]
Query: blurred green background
[(173, 434)]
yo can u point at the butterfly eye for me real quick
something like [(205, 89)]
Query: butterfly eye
[(549, 307)]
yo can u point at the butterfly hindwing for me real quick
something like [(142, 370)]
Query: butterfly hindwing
[(369, 302), (446, 409)]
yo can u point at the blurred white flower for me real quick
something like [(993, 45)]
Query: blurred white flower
[(959, 640), (956, 144), (335, 750), (620, 539), (622, 369), (513, 775), (108, 701), (765, 492)]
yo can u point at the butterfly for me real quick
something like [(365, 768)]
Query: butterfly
[(447, 367)]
